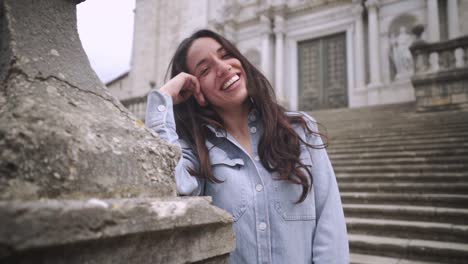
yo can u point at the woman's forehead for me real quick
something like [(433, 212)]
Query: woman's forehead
[(201, 49)]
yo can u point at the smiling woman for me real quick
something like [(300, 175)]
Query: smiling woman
[(106, 32), (264, 165)]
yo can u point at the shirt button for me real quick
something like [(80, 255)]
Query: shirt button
[(259, 187), (252, 118), (161, 108), (262, 226), (253, 130)]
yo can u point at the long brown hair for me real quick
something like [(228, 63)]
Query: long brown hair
[(279, 146)]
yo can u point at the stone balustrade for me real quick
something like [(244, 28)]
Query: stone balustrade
[(441, 74), (136, 105)]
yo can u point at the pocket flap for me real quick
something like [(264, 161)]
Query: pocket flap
[(219, 157)]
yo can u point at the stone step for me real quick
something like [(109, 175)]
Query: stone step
[(336, 149), (371, 131), (370, 259), (404, 142), (455, 159), (434, 135), (439, 200), (394, 113), (413, 249), (461, 142), (409, 187), (422, 168), (426, 153), (402, 177), (399, 107), (408, 229), (408, 212)]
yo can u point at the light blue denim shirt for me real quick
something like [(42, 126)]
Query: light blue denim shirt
[(269, 227)]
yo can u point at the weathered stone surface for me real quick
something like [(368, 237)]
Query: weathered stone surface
[(62, 135), (164, 230)]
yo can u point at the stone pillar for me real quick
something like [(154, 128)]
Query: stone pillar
[(359, 65), (453, 19), (433, 27), (265, 31), (229, 30), (374, 45), (81, 179), (144, 71), (279, 28)]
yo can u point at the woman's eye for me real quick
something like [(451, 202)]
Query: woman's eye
[(226, 56), (203, 71)]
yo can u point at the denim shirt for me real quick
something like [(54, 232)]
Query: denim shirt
[(269, 226)]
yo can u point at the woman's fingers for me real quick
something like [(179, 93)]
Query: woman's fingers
[(182, 87), (195, 85)]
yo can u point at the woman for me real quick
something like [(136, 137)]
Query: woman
[(265, 166)]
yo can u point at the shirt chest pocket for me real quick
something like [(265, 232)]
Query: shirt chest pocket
[(232, 194), (286, 194)]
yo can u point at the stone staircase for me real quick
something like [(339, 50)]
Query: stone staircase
[(403, 178)]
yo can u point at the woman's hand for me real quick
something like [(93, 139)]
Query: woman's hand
[(181, 87)]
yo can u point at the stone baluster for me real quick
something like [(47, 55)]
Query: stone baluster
[(459, 54), (434, 63)]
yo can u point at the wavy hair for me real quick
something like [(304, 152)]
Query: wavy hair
[(279, 146)]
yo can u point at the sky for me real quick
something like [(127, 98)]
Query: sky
[(106, 32)]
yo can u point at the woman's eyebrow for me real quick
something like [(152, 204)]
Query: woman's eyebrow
[(220, 49), (199, 63)]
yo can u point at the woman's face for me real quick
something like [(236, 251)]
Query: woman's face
[(221, 76)]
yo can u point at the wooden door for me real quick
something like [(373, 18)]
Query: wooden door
[(322, 73)]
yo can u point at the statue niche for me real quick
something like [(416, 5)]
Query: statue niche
[(402, 65)]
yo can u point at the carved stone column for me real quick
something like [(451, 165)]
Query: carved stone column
[(360, 71), (374, 46), (433, 27), (266, 62), (229, 30), (81, 179), (453, 19), (279, 28)]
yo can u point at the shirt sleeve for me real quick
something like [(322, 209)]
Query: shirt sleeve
[(160, 119), (330, 239)]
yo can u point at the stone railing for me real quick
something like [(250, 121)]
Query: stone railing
[(441, 74), (136, 105)]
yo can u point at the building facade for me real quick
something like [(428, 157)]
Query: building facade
[(318, 54)]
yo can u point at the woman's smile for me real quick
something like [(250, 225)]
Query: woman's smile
[(229, 84)]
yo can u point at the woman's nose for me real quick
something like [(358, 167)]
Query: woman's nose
[(222, 68)]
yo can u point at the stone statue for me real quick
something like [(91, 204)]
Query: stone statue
[(401, 54)]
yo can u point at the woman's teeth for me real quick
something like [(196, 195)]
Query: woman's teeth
[(230, 82)]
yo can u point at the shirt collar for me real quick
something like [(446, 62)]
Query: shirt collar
[(252, 118)]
